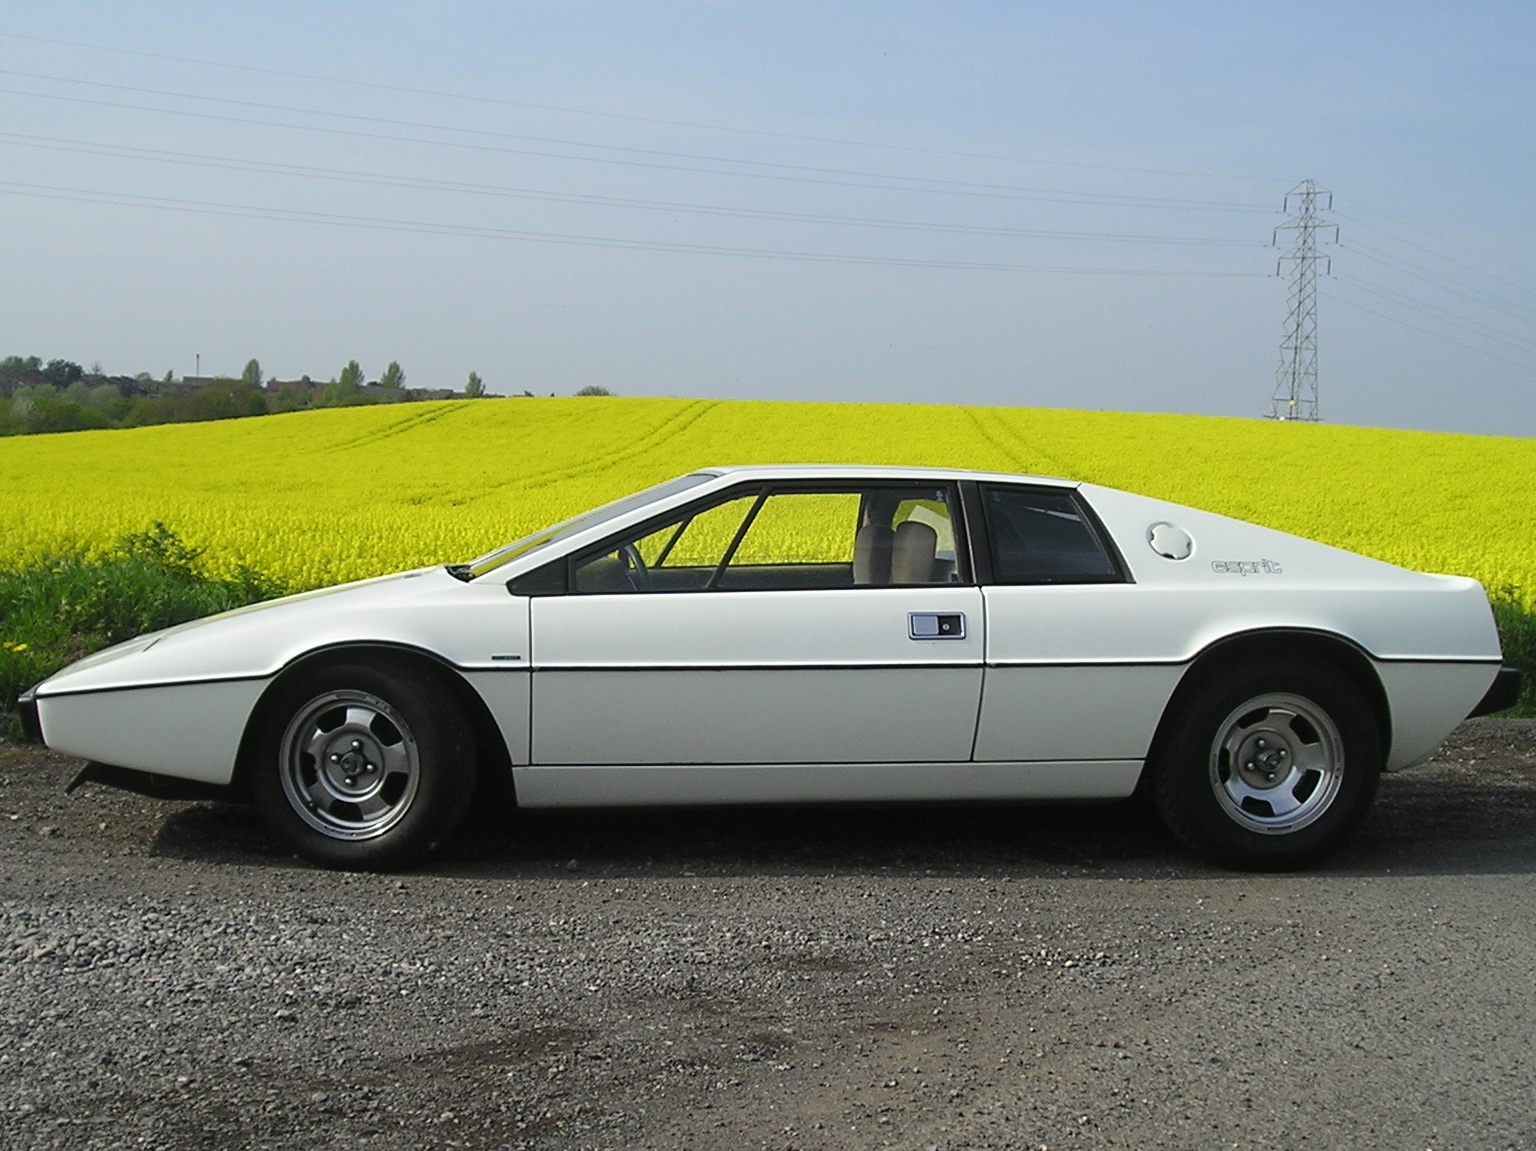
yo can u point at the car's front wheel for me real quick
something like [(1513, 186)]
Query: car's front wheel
[(1269, 767), (364, 767)]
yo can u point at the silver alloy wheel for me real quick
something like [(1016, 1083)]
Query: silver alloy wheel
[(1277, 763), (349, 765)]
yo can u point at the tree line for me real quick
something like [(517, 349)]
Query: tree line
[(62, 396)]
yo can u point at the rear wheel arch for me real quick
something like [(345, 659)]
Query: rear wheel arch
[(495, 763), (1248, 649)]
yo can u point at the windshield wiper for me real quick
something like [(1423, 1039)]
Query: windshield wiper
[(459, 571)]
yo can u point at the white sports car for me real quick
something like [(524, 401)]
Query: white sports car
[(812, 634)]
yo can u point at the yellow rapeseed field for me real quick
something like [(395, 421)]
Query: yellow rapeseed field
[(320, 497)]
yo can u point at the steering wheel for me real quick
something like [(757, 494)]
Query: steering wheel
[(635, 571)]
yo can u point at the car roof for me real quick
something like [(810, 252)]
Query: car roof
[(870, 471)]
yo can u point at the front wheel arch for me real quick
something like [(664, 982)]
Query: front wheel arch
[(495, 763)]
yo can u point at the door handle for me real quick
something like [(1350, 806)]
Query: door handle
[(935, 625)]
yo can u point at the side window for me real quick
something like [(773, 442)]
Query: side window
[(796, 540), (681, 556), (877, 537), (1041, 537), (699, 542)]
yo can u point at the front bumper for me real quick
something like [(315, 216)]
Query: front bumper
[(1504, 692), (26, 704)]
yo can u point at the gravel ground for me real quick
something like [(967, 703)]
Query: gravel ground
[(802, 978)]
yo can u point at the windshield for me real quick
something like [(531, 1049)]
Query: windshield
[(567, 528)]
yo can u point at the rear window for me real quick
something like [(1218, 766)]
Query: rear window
[(1043, 537)]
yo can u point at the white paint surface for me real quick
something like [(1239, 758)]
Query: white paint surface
[(629, 784)]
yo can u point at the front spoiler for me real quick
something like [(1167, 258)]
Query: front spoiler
[(150, 784)]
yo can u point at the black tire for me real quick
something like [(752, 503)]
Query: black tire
[(364, 768), (1269, 767)]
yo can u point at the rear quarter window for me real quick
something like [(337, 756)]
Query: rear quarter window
[(1044, 537)]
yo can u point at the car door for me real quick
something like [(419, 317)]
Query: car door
[(778, 624)]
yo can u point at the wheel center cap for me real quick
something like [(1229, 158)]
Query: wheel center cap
[(1264, 761), (352, 769)]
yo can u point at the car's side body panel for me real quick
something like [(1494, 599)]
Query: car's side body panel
[(754, 677), (177, 702), (1094, 666), (1430, 638), (1240, 577), (857, 627), (1159, 623), (1427, 701), (1083, 711), (127, 727), (751, 715), (467, 625), (191, 731), (508, 697), (637, 785)]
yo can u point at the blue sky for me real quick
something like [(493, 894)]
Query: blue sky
[(1064, 205)]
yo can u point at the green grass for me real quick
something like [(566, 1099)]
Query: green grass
[(54, 613), (1517, 635)]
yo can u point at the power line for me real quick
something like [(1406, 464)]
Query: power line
[(630, 117), (502, 150), (1426, 332), (1442, 256), (376, 223), (1443, 283), (1490, 332), (380, 179), (1472, 327), (1484, 332), (766, 167)]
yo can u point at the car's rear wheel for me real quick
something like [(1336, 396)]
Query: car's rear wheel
[(364, 767), (1269, 767)]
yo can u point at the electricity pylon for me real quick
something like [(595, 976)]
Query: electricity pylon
[(1295, 395)]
